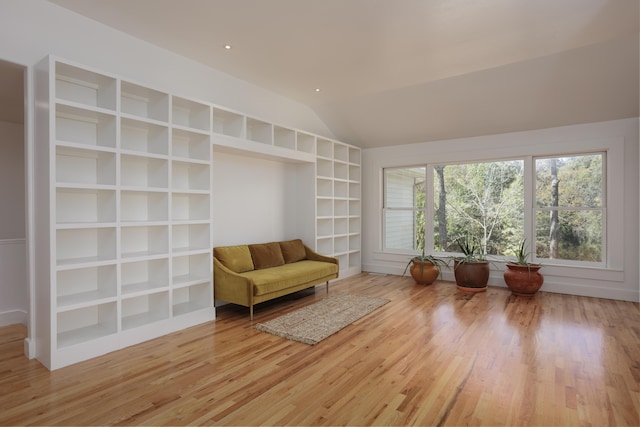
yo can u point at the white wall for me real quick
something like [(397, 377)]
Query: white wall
[(619, 280), (13, 273)]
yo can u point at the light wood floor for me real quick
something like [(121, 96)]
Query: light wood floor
[(432, 356)]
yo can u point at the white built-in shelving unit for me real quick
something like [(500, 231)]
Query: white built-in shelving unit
[(123, 207)]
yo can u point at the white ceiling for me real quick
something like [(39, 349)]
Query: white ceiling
[(404, 71)]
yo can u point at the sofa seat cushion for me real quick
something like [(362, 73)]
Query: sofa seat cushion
[(269, 280), (235, 258)]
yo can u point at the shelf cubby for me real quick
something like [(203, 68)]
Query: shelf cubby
[(190, 237), (85, 166), (340, 208), (190, 207), (354, 225), (85, 127), (324, 148), (144, 241), (144, 102), (283, 137), (305, 142), (340, 226), (354, 208), (85, 245), (324, 207), (259, 131), (354, 190), (325, 187), (354, 173), (86, 324), (355, 242), (340, 171), (85, 206), (324, 168), (143, 276), (190, 145), (144, 137), (228, 123), (85, 285), (355, 259), (341, 152), (190, 114), (324, 245), (190, 298), (85, 87), (191, 269), (143, 172), (354, 155), (144, 309), (136, 206), (324, 227), (190, 176), (340, 244), (340, 189)]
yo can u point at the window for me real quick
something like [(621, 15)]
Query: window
[(481, 200), (569, 208), (404, 203), (557, 204)]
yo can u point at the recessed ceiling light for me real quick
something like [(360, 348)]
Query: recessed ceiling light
[(317, 89), (227, 46)]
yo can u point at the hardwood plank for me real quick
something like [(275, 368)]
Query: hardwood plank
[(431, 356)]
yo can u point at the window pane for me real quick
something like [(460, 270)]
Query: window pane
[(569, 181), (404, 187), (404, 229), (578, 235), (482, 200)]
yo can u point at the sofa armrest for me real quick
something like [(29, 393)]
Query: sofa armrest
[(314, 256), (230, 286)]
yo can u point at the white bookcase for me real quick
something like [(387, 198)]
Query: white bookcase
[(338, 216), (123, 192), (123, 213)]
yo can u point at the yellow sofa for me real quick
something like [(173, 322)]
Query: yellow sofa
[(251, 274)]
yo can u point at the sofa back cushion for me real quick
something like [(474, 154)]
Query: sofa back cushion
[(293, 251), (235, 258), (266, 255)]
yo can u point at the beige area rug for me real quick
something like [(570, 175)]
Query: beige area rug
[(313, 323)]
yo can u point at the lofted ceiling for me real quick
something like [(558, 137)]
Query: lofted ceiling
[(405, 71)]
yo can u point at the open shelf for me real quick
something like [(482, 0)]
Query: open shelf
[(228, 123), (189, 207), (85, 87), (144, 309), (85, 285), (144, 241), (143, 276), (190, 114), (85, 206), (283, 137), (190, 176), (324, 245), (340, 189), (144, 102), (144, 172), (85, 127), (190, 298), (86, 324), (324, 168), (85, 166), (143, 206), (190, 145), (191, 269), (85, 245), (324, 148), (259, 131), (324, 187), (305, 142), (143, 137), (190, 237), (341, 153)]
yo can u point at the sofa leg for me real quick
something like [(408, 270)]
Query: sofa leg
[(327, 285), (251, 313)]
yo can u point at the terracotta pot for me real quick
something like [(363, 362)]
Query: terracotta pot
[(471, 276), (424, 273), (523, 280)]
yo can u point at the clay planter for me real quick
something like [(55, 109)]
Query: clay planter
[(424, 273), (471, 276), (523, 280)]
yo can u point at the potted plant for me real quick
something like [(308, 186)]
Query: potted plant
[(521, 276), (425, 269), (471, 270)]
